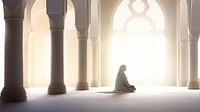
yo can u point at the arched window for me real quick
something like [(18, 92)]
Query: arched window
[(139, 41)]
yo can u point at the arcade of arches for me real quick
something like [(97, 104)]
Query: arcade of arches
[(82, 43)]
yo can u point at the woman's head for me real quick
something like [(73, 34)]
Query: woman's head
[(122, 68)]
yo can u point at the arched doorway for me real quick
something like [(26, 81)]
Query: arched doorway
[(70, 47), (139, 42), (41, 47)]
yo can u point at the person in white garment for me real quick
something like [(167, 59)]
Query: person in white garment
[(121, 83)]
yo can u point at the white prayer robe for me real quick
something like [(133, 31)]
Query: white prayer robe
[(122, 84)]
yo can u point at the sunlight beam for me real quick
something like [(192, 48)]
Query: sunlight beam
[(141, 47)]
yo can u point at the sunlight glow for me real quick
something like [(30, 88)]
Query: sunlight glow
[(138, 6), (155, 13), (139, 46), (47, 47), (70, 21), (138, 24)]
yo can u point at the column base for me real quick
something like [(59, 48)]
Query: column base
[(94, 83), (17, 94), (193, 85), (182, 84), (56, 88), (82, 86)]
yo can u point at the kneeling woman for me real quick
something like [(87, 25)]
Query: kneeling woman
[(122, 84)]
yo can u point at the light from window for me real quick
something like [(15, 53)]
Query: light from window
[(139, 42)]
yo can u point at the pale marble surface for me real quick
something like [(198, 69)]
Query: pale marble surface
[(145, 99)]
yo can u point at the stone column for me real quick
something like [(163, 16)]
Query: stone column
[(95, 64), (13, 90), (193, 60), (182, 79), (57, 18), (82, 33), (82, 15), (94, 35)]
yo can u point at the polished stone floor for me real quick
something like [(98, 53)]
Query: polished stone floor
[(101, 99)]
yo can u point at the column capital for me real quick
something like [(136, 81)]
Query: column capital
[(183, 43), (56, 22), (193, 35), (82, 32), (94, 42), (82, 12), (14, 8), (56, 10)]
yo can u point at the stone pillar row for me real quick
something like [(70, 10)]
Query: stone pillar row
[(13, 90)]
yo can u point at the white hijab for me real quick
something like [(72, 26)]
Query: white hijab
[(121, 79)]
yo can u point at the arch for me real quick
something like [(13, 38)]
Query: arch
[(41, 45), (70, 43), (116, 5), (38, 6), (152, 39), (40, 41), (165, 6), (159, 2), (146, 15), (70, 18)]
